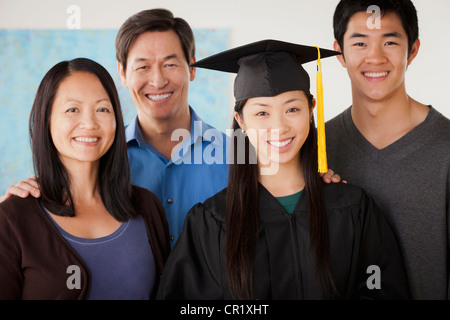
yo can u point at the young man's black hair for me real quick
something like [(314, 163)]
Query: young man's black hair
[(403, 8)]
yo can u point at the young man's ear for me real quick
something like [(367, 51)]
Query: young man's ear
[(122, 74), (414, 51), (340, 57)]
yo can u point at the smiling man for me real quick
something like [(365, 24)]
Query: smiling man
[(393, 146), (154, 51)]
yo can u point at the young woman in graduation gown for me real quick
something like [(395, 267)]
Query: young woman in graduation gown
[(277, 231)]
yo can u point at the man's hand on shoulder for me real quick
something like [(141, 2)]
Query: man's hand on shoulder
[(22, 189), (330, 176)]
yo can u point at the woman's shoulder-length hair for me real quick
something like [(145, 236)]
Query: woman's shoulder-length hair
[(53, 178)]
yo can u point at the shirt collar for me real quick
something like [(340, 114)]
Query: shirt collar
[(133, 132), (198, 129)]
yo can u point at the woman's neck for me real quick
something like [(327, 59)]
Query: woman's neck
[(287, 180), (84, 182)]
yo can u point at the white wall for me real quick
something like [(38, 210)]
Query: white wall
[(301, 21)]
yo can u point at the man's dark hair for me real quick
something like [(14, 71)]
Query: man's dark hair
[(403, 8), (153, 20)]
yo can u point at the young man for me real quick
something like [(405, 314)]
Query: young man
[(391, 145)]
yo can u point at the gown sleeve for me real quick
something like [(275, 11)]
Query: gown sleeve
[(381, 273), (193, 269)]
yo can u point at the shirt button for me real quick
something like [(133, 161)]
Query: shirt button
[(170, 201), (171, 238), (170, 165)]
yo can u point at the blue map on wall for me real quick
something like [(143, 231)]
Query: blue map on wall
[(26, 55)]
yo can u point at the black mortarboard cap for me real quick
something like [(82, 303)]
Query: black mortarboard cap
[(270, 67), (266, 68)]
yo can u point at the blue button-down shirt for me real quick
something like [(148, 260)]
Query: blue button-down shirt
[(197, 170)]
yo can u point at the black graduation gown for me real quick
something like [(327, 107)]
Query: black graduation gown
[(284, 263)]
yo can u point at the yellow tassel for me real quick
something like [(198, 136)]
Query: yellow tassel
[(321, 143)]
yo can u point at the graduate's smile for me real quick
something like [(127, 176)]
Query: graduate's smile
[(277, 127), (280, 145)]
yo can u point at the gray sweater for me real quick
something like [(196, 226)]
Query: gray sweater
[(410, 181)]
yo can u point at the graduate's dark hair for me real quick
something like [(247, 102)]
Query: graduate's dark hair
[(52, 176), (403, 8), (150, 21), (242, 212)]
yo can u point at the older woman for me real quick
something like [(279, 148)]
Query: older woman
[(91, 235)]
